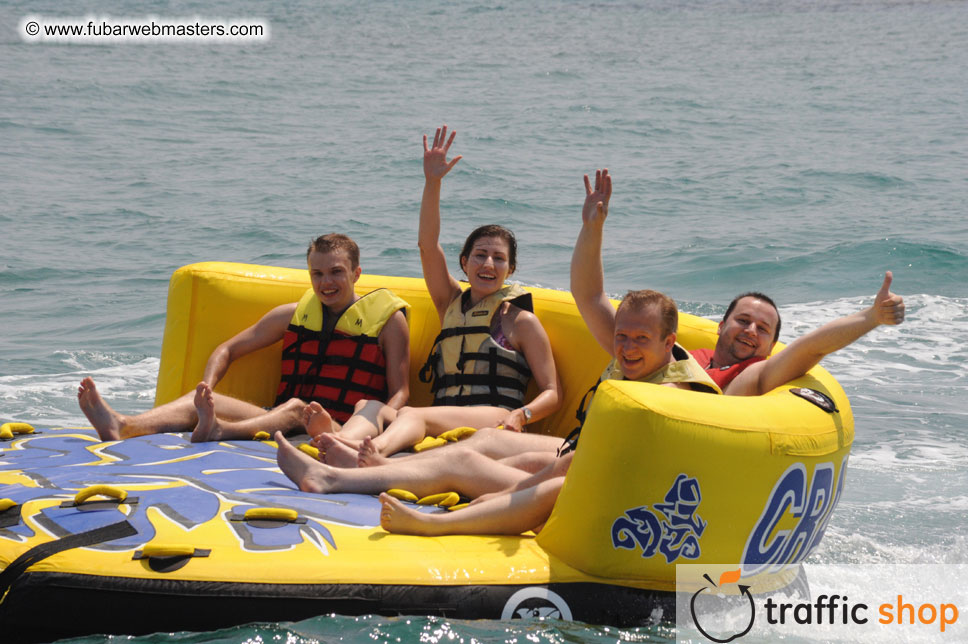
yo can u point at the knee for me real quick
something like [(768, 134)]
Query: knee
[(465, 455), (369, 405), (561, 464)]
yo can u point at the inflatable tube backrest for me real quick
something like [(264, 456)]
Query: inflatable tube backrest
[(665, 476), (210, 302)]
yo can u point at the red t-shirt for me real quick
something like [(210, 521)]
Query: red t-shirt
[(722, 376)]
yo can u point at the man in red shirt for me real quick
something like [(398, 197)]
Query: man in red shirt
[(751, 325)]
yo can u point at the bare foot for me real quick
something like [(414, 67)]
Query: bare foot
[(368, 455), (303, 470), (317, 420), (397, 518), (105, 420), (207, 428), (338, 453)]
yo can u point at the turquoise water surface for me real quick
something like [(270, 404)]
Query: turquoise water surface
[(797, 148)]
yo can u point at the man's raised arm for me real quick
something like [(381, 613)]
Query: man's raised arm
[(806, 351), (587, 275)]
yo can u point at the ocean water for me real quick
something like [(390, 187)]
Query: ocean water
[(798, 148)]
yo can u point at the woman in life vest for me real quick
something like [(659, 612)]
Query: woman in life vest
[(490, 346)]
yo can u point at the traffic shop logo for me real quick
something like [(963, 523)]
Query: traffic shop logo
[(743, 604)]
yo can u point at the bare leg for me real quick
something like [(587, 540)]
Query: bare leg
[(501, 443), (466, 473), (489, 441), (414, 423), (530, 461), (507, 513), (369, 419), (105, 420), (284, 418), (178, 415)]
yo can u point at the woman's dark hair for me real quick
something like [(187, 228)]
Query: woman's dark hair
[(492, 230)]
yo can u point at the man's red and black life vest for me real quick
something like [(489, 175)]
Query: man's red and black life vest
[(722, 375), (338, 368)]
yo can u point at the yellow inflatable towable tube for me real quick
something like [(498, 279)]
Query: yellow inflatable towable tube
[(177, 535)]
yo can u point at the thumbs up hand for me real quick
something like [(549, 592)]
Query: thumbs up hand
[(888, 308)]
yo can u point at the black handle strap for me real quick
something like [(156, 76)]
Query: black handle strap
[(39, 553)]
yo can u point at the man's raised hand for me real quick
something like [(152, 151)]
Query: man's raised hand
[(435, 157), (595, 209)]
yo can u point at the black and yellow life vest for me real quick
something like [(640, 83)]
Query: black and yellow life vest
[(339, 368), (685, 369), (468, 366)]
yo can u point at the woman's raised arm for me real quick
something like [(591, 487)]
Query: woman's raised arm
[(441, 284)]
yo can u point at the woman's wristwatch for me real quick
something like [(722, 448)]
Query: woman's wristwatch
[(527, 415)]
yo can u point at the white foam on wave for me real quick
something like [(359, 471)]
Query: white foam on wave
[(51, 399), (920, 453), (842, 545), (932, 340), (934, 504), (86, 360)]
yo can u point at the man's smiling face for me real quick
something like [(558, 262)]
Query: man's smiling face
[(747, 332), (333, 276)]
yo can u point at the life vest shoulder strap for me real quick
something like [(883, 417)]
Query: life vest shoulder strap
[(370, 313), (365, 316)]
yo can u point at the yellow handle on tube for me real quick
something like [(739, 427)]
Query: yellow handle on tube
[(444, 499), (403, 495), (272, 514), (158, 550), (100, 490), (16, 428), (309, 449)]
